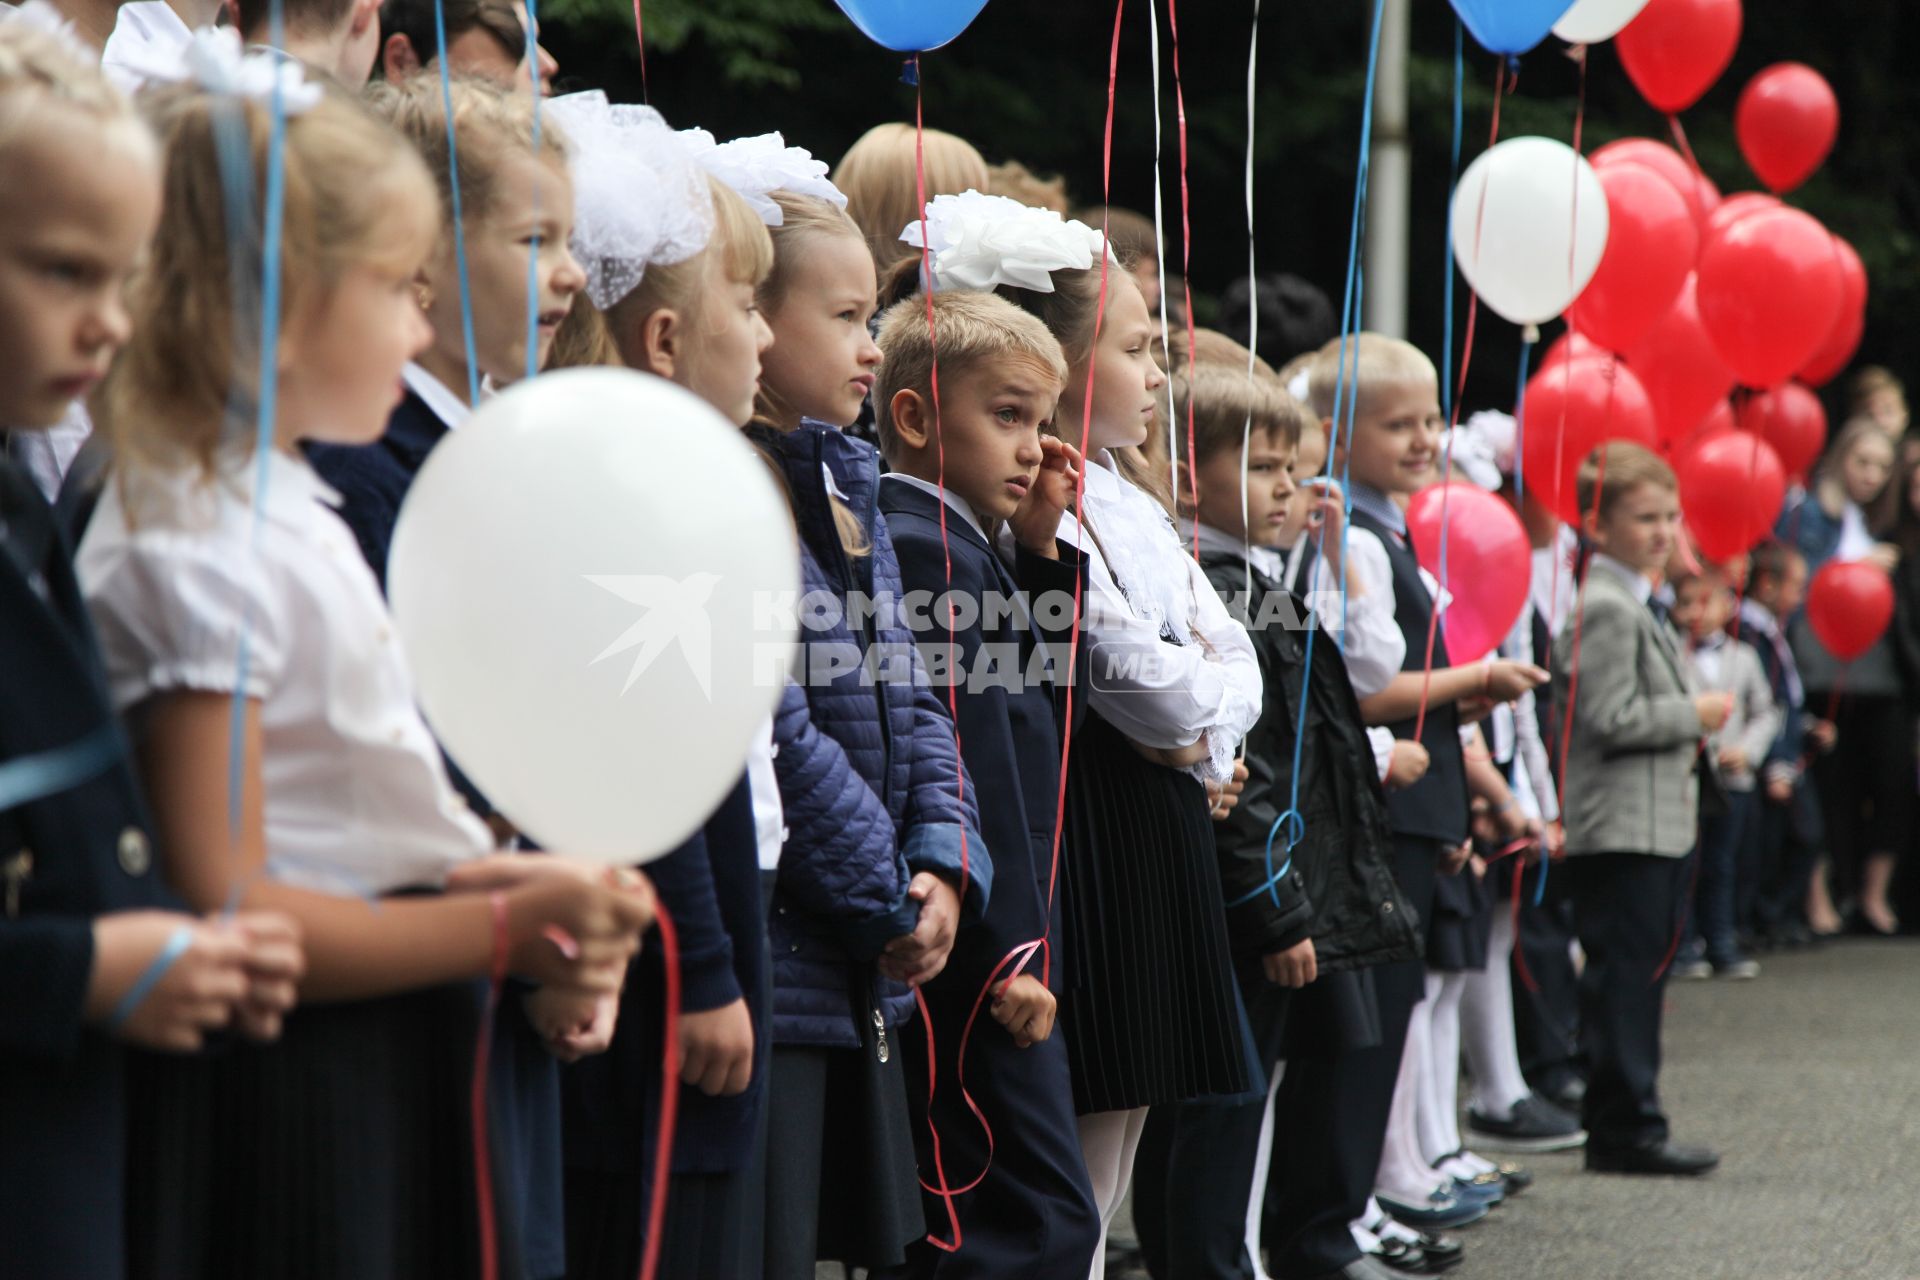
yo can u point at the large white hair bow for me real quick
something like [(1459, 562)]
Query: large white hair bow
[(639, 200), (42, 16), (760, 165), (1483, 447), (213, 59), (978, 241)]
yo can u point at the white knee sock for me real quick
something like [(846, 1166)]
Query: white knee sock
[(1262, 1164), (1404, 1173), (1439, 1127), (1486, 1027), (1108, 1140)]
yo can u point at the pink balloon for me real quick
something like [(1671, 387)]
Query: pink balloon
[(1488, 563)]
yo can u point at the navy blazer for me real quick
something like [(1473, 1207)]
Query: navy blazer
[(1009, 737), (64, 858), (373, 479)]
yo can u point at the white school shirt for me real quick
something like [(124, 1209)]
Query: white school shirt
[(437, 396), (1157, 692), (47, 455), (1373, 645), (357, 797), (763, 785)]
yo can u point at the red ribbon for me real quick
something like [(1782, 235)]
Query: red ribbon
[(640, 38), (1186, 256), (477, 1098), (669, 1091)]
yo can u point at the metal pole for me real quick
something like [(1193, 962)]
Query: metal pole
[(1390, 192)]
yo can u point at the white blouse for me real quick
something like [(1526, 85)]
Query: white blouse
[(357, 797), (1167, 661)]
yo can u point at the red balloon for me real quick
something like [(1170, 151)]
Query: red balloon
[(1786, 121), (1651, 245), (1731, 488), (1676, 49), (1837, 351), (1718, 422), (1737, 206), (1568, 345), (1488, 563), (1695, 188), (1572, 409), (1680, 368), (1849, 606), (1792, 420), (1770, 292)]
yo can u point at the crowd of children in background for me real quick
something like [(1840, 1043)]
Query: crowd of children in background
[(1205, 895)]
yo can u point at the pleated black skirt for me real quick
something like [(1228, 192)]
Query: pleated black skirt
[(1148, 1009), (344, 1151), (1462, 924)]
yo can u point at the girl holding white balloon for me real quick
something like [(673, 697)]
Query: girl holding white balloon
[(282, 751)]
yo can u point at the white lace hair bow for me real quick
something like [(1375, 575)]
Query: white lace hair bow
[(41, 16), (978, 241), (214, 60), (758, 166), (639, 200), (146, 33), (1483, 448)]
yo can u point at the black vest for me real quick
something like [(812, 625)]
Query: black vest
[(1436, 806)]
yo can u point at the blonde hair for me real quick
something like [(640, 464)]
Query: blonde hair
[(1133, 236), (1017, 182), (1227, 405), (1211, 347), (582, 340), (1627, 467), (1370, 360), (805, 220), (193, 361), (969, 330), (878, 176), (38, 68), (491, 125), (739, 251)]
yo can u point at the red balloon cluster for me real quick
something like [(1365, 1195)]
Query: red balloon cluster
[(1572, 407), (1792, 420), (1849, 605)]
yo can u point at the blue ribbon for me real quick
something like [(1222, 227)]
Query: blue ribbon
[(177, 943), (533, 252), (47, 773), (453, 174)]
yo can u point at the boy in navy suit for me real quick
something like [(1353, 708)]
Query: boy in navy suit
[(1004, 660)]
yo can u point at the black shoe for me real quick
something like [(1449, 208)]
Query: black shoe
[(1516, 1178), (1566, 1092), (1535, 1125), (1401, 1257), (1443, 1252), (1662, 1158)]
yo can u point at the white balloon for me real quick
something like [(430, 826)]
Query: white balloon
[(1516, 235), (594, 579), (1591, 21)]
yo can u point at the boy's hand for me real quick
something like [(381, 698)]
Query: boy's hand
[(1553, 841), (1223, 796), (1454, 860), (1507, 679), (1733, 759), (1408, 765), (1713, 710), (1026, 1010), (716, 1050), (1779, 790), (917, 958), (1036, 521), (1295, 967), (1822, 734)]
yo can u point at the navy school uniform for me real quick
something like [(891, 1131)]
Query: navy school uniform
[(372, 481), (1341, 893), (1034, 1213), (714, 886), (64, 859)]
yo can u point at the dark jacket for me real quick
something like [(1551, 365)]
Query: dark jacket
[(71, 849), (1434, 808), (1340, 890), (1009, 725), (869, 772), (612, 1101), (373, 479)]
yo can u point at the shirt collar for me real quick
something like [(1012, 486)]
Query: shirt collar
[(1633, 579), (1378, 506), (436, 395), (955, 503), (1270, 561)]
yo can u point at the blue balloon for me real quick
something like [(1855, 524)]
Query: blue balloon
[(1508, 26), (912, 26)]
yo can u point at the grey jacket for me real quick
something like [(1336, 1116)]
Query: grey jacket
[(1755, 719), (1629, 770)]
